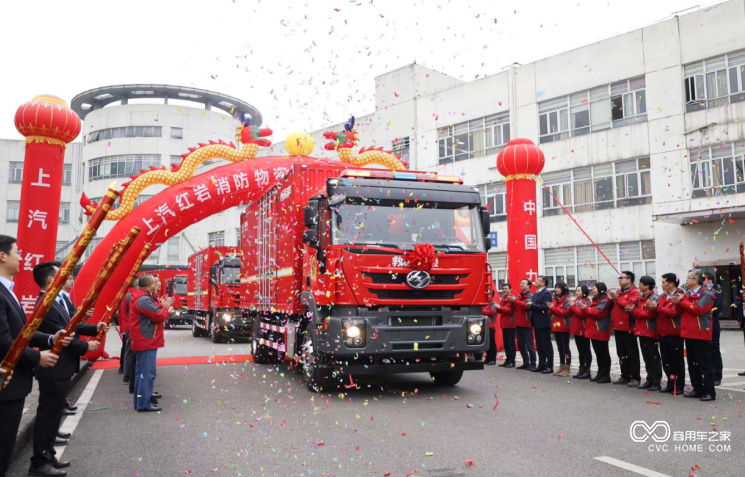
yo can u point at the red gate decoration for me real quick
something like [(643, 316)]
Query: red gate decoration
[(48, 124), (174, 209), (520, 162)]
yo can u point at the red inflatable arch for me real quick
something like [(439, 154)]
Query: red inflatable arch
[(176, 208)]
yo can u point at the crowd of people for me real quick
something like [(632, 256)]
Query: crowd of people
[(668, 328), (142, 316)]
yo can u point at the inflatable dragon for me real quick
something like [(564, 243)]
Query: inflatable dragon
[(248, 136), (343, 141)]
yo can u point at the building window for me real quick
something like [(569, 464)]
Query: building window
[(176, 160), (603, 186), (216, 239), (13, 210), (67, 174), (473, 139), (129, 131), (493, 198), (715, 82), (586, 266), (610, 106), (64, 212), (177, 133), (401, 148), (62, 249), (718, 170), (173, 248), (120, 166), (16, 172), (498, 262)]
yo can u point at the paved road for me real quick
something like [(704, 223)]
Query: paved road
[(250, 420)]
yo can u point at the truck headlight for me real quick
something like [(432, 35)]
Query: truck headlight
[(475, 334), (475, 329), (226, 317), (354, 334)]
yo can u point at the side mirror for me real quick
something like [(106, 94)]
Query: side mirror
[(487, 243), (311, 213), (485, 220), (310, 237)]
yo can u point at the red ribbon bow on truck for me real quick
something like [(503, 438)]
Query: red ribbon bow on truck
[(423, 257)]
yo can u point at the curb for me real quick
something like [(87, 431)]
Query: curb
[(27, 429)]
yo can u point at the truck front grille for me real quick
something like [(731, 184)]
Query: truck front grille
[(415, 294), (391, 278)]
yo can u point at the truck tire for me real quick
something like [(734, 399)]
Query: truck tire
[(258, 352), (213, 332), (314, 374), (447, 378)]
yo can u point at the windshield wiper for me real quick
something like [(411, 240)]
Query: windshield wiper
[(389, 245)]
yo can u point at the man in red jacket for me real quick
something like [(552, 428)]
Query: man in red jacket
[(696, 328), (523, 325), (668, 326), (623, 327), (506, 322), (646, 329), (146, 318), (129, 355)]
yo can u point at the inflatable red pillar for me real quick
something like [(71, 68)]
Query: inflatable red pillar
[(520, 162), (48, 124)]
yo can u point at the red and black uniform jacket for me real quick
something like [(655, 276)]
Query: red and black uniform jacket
[(597, 326), (505, 311), (668, 315), (622, 319), (696, 314), (561, 315), (522, 311), (646, 319), (578, 317), (146, 318), (124, 312)]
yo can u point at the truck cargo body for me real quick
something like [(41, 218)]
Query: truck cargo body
[(213, 294), (344, 304)]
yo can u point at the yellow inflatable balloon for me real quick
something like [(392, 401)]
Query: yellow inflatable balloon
[(299, 143)]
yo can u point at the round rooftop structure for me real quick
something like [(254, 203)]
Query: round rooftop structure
[(97, 98)]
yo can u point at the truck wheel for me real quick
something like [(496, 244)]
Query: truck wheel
[(447, 378), (216, 336), (314, 374)]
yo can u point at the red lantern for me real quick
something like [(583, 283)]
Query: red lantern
[(47, 119), (520, 162)]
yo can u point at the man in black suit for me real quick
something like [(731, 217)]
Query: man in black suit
[(12, 320), (67, 301), (55, 382), (542, 324)]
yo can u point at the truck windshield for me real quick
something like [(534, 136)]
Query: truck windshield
[(403, 225), (179, 285), (230, 275)]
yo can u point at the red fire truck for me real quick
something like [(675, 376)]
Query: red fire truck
[(326, 280), (172, 283), (213, 294)]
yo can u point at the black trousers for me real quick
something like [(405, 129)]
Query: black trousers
[(716, 353), (562, 344), (526, 345), (52, 393), (491, 353), (651, 355), (602, 353), (508, 336), (585, 355), (10, 419), (628, 355), (123, 352), (699, 366), (544, 347), (673, 361)]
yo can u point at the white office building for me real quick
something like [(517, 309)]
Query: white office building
[(643, 134)]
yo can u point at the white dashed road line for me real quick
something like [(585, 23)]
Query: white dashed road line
[(630, 467), (71, 423)]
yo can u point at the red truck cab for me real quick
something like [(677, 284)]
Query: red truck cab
[(213, 296), (327, 278)]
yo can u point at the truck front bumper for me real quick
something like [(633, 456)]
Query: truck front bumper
[(405, 339)]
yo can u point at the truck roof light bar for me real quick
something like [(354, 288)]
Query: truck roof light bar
[(397, 175)]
